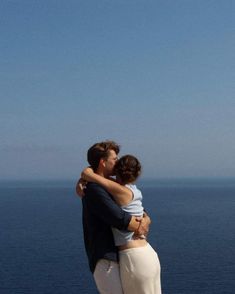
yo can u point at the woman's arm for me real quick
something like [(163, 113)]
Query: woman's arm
[(122, 195)]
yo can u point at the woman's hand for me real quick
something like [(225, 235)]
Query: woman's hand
[(81, 185), (86, 173)]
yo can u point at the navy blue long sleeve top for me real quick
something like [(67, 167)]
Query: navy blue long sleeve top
[(100, 213)]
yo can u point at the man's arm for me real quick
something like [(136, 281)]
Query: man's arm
[(104, 207), (101, 204)]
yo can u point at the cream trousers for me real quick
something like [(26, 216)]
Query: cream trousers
[(107, 277), (140, 270)]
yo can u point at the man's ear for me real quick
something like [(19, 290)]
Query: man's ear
[(102, 162)]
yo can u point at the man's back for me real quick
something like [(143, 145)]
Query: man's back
[(100, 212)]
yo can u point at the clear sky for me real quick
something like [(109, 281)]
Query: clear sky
[(157, 76)]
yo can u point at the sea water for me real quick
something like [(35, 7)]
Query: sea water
[(193, 231)]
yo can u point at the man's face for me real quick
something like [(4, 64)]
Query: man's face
[(110, 162)]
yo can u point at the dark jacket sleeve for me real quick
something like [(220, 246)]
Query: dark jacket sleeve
[(100, 203)]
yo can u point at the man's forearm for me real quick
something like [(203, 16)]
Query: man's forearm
[(104, 207)]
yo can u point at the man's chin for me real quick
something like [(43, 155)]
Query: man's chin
[(113, 175)]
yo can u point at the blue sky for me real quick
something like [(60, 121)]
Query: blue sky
[(155, 76)]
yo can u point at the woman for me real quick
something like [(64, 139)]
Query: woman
[(139, 263)]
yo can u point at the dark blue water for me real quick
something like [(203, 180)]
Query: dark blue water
[(193, 231)]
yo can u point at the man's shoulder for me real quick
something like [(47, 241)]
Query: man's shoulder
[(94, 192), (91, 185), (94, 188)]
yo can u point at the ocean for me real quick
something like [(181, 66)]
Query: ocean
[(193, 231)]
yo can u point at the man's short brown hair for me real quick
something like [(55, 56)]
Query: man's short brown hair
[(100, 150)]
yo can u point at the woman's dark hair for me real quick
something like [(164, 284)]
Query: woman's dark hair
[(100, 150), (127, 168)]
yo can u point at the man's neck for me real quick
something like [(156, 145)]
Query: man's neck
[(101, 173)]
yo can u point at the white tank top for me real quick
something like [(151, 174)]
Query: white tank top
[(135, 207)]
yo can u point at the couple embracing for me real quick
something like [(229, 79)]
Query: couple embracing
[(115, 224)]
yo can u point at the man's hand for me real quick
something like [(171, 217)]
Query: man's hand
[(143, 227), (139, 225), (81, 185)]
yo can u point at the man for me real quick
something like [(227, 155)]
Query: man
[(100, 213)]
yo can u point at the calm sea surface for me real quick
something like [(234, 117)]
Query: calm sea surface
[(193, 231)]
